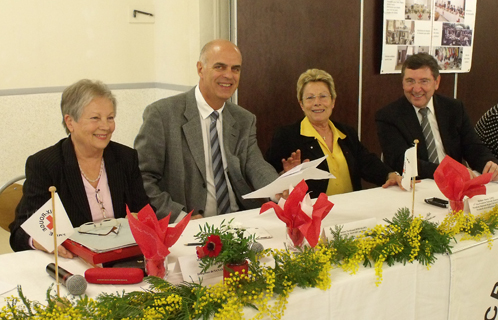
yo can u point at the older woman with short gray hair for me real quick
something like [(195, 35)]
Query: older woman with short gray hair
[(95, 178)]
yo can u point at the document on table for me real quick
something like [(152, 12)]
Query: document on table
[(106, 243), (304, 171)]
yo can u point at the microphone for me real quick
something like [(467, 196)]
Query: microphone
[(256, 247), (75, 284)]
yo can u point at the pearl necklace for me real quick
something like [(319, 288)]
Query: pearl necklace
[(100, 173)]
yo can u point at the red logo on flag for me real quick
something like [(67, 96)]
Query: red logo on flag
[(50, 225)]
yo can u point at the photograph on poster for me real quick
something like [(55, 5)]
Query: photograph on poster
[(449, 58), (400, 32), (405, 51), (456, 34), (450, 11), (418, 9)]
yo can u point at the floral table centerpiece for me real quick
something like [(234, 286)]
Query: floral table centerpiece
[(226, 246)]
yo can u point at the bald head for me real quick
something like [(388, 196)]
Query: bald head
[(215, 46)]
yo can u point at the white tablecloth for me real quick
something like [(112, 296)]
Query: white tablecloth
[(456, 286)]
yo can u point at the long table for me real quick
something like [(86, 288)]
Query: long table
[(457, 286)]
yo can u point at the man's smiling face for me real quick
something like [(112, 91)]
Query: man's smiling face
[(419, 86), (219, 73)]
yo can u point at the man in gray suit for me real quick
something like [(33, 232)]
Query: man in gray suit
[(174, 143)]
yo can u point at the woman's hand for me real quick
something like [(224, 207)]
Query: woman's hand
[(63, 252), (292, 161)]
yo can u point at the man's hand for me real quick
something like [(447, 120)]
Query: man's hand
[(196, 216), (63, 252), (393, 179), (292, 161), (284, 194), (491, 167)]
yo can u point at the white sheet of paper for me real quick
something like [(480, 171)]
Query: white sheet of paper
[(304, 171), (191, 270), (351, 229), (482, 203)]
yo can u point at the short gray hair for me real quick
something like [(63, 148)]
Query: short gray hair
[(78, 95)]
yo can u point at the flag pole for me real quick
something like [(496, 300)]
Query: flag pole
[(52, 190), (413, 183)]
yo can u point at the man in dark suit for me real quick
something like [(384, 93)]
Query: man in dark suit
[(441, 124), (174, 143)]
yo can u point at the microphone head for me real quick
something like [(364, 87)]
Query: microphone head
[(76, 285), (256, 247)]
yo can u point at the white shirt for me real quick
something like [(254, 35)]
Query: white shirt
[(431, 116), (205, 111)]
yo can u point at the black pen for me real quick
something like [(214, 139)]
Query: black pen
[(193, 244)]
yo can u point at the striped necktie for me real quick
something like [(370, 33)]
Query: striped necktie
[(222, 199), (429, 137)]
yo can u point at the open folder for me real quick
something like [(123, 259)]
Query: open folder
[(304, 171)]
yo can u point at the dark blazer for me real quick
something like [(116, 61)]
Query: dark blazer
[(361, 162), (398, 126), (57, 166), (171, 155)]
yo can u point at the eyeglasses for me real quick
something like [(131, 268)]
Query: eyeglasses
[(321, 98), (101, 228), (412, 82), (100, 202)]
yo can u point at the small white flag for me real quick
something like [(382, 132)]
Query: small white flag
[(40, 224), (410, 168)]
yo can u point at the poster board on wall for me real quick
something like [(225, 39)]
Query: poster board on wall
[(442, 28)]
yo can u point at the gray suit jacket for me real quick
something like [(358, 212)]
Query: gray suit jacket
[(171, 155)]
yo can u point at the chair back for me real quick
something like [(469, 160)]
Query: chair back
[(10, 195)]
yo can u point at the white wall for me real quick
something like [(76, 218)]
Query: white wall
[(47, 45)]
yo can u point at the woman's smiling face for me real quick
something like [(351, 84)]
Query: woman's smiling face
[(317, 102)]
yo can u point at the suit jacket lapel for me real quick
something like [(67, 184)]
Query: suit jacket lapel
[(230, 131), (412, 124), (73, 177), (312, 146), (193, 132), (443, 115)]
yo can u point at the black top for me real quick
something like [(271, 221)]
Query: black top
[(361, 162), (57, 166)]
